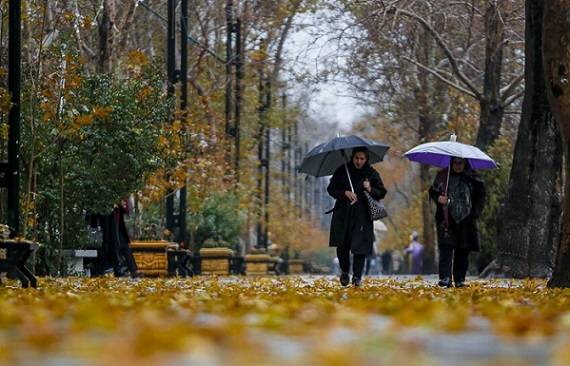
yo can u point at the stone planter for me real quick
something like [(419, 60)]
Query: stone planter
[(151, 256), (259, 264), (215, 261), (296, 266)]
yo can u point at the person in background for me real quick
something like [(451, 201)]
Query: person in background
[(120, 237), (115, 253), (416, 251), (386, 258)]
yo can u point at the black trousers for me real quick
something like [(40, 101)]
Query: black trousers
[(343, 255), (125, 255), (454, 261)]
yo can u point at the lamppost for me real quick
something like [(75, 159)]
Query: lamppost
[(11, 171)]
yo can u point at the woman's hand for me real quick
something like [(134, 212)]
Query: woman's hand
[(443, 200), (366, 185), (351, 196)]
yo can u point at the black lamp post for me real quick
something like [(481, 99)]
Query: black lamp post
[(11, 172)]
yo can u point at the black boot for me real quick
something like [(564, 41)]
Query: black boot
[(460, 283), (344, 278), (445, 282), (356, 281)]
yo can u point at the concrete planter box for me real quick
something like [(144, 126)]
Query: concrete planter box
[(260, 264), (215, 261), (296, 266), (151, 256)]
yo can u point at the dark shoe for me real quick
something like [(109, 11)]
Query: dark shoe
[(460, 283), (344, 278), (356, 281), (136, 274), (445, 282)]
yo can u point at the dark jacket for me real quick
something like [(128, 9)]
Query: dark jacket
[(460, 233), (115, 236), (351, 225)]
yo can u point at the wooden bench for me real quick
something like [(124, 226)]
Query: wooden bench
[(13, 257), (179, 262)]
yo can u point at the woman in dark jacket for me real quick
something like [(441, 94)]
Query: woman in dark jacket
[(351, 226), (456, 219)]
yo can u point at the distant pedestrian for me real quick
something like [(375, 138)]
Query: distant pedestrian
[(351, 226), (456, 219), (416, 251), (386, 258), (115, 252)]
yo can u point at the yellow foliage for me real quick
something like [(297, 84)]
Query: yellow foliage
[(101, 112), (239, 318)]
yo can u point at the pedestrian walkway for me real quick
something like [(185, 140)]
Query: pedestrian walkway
[(286, 320)]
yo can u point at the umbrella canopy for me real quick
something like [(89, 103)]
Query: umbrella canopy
[(440, 153), (325, 158)]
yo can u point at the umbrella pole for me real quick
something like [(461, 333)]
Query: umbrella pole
[(347, 172), (349, 180), (448, 174)]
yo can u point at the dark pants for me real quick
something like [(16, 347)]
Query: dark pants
[(453, 261), (343, 255), (124, 257), (125, 254)]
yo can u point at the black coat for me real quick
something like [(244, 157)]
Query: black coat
[(115, 236), (351, 225), (465, 233)]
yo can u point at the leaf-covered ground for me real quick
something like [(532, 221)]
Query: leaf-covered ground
[(283, 320)]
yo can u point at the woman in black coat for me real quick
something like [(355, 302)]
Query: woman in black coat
[(351, 226), (456, 219)]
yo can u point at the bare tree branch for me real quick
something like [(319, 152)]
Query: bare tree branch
[(508, 90), (442, 78), (441, 43)]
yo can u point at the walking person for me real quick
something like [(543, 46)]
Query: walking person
[(416, 251), (459, 204), (351, 226)]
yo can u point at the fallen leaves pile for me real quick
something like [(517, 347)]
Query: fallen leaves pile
[(270, 320)]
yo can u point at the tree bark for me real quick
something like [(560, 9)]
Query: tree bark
[(106, 26), (492, 109), (556, 60), (530, 215), (426, 96)]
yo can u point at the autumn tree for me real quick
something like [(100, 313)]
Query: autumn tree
[(556, 33), (530, 217)]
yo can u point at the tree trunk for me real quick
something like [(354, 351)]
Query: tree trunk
[(426, 97), (556, 60), (530, 215), (491, 115), (428, 223), (106, 26)]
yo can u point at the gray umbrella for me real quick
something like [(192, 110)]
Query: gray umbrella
[(325, 158)]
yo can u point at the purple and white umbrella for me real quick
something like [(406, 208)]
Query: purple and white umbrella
[(440, 154)]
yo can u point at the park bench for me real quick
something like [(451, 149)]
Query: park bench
[(179, 261), (13, 257), (77, 260)]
